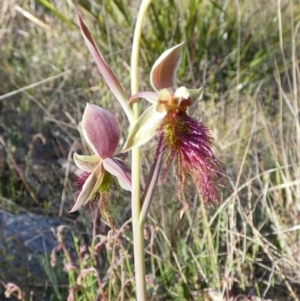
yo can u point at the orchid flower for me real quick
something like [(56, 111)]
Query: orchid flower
[(181, 138), (101, 132)]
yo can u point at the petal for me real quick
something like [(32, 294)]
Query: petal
[(101, 130), (104, 68), (148, 95), (121, 156), (164, 70), (118, 169), (90, 187), (145, 128), (182, 92), (86, 163), (194, 94)]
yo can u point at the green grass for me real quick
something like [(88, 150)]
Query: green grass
[(246, 56)]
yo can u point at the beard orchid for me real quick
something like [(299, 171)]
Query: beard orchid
[(101, 131), (182, 139)]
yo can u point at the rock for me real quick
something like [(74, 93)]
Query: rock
[(25, 241)]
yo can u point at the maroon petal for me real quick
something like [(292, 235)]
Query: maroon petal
[(164, 70), (117, 168), (91, 185), (152, 97), (101, 130), (104, 68)]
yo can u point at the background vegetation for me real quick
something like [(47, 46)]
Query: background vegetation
[(245, 54)]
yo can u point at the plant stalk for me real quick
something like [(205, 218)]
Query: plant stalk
[(137, 226)]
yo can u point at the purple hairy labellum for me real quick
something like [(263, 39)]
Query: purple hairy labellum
[(186, 142)]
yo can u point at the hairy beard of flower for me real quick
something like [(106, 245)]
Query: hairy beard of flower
[(79, 182), (187, 142), (99, 201)]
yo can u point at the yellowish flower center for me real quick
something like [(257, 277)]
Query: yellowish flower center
[(174, 127), (176, 102), (105, 183)]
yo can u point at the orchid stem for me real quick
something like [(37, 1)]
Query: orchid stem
[(135, 52), (151, 183), (138, 228)]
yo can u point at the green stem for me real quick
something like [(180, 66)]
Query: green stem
[(136, 49), (138, 228)]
